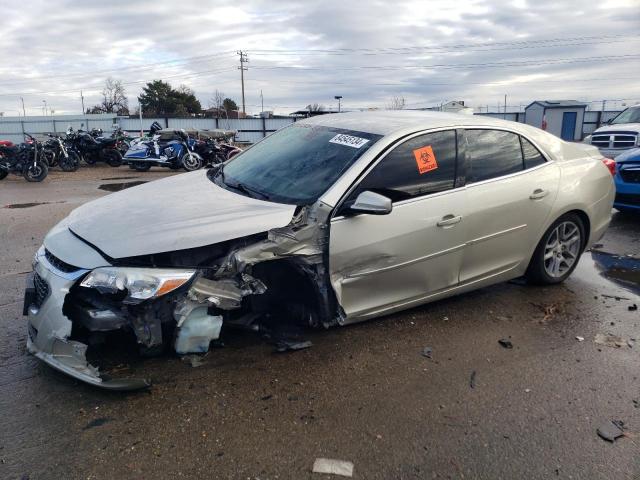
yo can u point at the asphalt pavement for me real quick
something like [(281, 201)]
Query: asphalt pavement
[(364, 393)]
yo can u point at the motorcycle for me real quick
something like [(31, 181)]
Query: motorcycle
[(26, 159), (169, 148), (93, 149), (123, 142), (57, 153), (212, 147)]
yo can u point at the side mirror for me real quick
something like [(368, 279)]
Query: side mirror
[(372, 203)]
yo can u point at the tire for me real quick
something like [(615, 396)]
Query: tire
[(37, 172), (3, 174), (552, 261), (141, 166), (112, 157), (191, 162), (89, 159), (70, 164)]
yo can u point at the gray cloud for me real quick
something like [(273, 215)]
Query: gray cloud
[(62, 47)]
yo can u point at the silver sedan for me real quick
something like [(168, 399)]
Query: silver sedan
[(330, 221)]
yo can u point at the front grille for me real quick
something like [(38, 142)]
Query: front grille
[(614, 140), (42, 289), (630, 176), (628, 199), (59, 264)]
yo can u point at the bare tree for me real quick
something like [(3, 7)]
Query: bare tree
[(316, 107), (114, 99), (217, 100), (396, 103)]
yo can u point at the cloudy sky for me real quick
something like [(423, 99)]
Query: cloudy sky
[(302, 52)]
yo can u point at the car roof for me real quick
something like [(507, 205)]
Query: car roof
[(387, 122)]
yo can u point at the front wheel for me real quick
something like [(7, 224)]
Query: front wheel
[(36, 172), (558, 252), (71, 163), (113, 157), (191, 161)]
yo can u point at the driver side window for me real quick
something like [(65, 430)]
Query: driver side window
[(420, 166)]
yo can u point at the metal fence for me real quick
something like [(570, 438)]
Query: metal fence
[(250, 130)]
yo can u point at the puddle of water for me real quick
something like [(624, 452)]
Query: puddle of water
[(29, 205), (118, 178), (615, 275), (116, 187)]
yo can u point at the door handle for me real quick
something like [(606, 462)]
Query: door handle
[(449, 220), (538, 193)]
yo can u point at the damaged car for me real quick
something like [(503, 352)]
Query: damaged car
[(330, 221)]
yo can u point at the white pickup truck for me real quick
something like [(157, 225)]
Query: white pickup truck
[(620, 134)]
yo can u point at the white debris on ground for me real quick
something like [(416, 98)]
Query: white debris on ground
[(334, 467)]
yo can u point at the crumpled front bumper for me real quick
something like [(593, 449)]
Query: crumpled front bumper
[(49, 329)]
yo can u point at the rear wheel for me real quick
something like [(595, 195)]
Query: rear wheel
[(36, 172), (558, 252), (112, 157), (71, 163)]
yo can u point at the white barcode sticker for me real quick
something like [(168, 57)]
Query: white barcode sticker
[(348, 140)]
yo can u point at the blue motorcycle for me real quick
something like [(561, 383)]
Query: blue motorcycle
[(168, 148)]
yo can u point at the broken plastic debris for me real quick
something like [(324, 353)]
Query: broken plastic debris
[(333, 467), (580, 339), (611, 430), (633, 308), (287, 346), (427, 351), (505, 343), (472, 380)]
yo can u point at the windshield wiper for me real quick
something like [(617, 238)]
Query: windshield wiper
[(248, 190)]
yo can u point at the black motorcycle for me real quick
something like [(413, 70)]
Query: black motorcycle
[(26, 159), (94, 149), (56, 152), (214, 151)]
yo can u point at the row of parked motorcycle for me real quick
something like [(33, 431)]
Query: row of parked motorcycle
[(174, 149)]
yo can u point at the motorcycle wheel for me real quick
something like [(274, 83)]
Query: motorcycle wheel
[(37, 172), (191, 162), (49, 156), (141, 166), (89, 159), (71, 163), (113, 157), (3, 174)]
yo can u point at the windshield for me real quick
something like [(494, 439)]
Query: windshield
[(630, 115), (295, 165)]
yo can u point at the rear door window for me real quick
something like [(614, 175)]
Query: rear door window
[(422, 165), (492, 154), (532, 156)]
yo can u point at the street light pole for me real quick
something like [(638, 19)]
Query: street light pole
[(24, 113), (44, 109)]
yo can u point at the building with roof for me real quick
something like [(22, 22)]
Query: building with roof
[(562, 118)]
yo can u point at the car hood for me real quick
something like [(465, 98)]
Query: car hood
[(630, 156), (175, 213), (619, 127)]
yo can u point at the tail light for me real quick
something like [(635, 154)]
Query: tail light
[(610, 164)]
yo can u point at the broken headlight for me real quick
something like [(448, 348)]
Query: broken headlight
[(139, 283)]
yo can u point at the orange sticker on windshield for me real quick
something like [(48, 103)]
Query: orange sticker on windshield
[(426, 159)]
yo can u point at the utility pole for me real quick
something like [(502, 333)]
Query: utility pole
[(242, 68), (261, 102), (338, 97), (24, 114), (505, 107), (82, 100)]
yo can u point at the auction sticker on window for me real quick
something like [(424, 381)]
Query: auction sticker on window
[(349, 140), (426, 159)]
